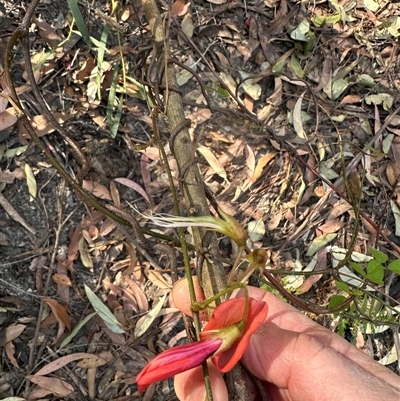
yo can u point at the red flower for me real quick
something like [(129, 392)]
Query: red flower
[(227, 315), (176, 360), (225, 338)]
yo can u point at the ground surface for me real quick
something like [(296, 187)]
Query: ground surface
[(324, 77)]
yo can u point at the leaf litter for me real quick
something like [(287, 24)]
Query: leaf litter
[(325, 77)]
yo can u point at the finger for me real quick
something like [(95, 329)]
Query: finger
[(307, 370), (287, 317), (189, 385), (181, 297)]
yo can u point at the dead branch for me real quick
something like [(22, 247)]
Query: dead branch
[(213, 276)]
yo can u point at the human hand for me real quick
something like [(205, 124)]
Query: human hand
[(297, 360)]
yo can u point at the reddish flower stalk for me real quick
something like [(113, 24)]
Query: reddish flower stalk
[(225, 339)]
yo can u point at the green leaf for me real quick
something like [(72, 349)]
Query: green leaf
[(338, 87), (395, 266), (343, 286), (378, 255), (358, 268), (80, 22), (109, 319), (150, 317), (223, 92), (113, 120), (318, 20), (375, 271), (278, 66), (333, 19), (385, 99), (301, 33), (75, 330), (320, 242), (336, 300), (296, 67)]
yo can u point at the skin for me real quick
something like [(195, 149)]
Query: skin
[(299, 360)]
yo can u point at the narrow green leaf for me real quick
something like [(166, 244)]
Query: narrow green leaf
[(150, 317), (113, 120), (80, 22), (75, 330), (102, 310)]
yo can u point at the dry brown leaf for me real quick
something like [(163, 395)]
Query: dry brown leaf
[(274, 221), (62, 279), (145, 173), (74, 243), (83, 74), (43, 127), (391, 174), (319, 191), (8, 176), (98, 190), (58, 387), (133, 185), (91, 362), (179, 8), (214, 163), (158, 280), (38, 393), (120, 264), (274, 100), (115, 194), (351, 99), (59, 312), (47, 32), (10, 350), (321, 265), (138, 294), (326, 74), (49, 321), (6, 205), (85, 254), (61, 362), (107, 227), (331, 226), (248, 103), (262, 162), (7, 118), (339, 208), (13, 331), (119, 314), (354, 183)]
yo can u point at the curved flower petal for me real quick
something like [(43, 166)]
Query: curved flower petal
[(226, 314), (231, 314), (176, 360)]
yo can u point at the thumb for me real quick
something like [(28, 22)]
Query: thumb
[(189, 385), (303, 368)]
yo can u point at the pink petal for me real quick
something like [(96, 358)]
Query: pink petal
[(176, 360)]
